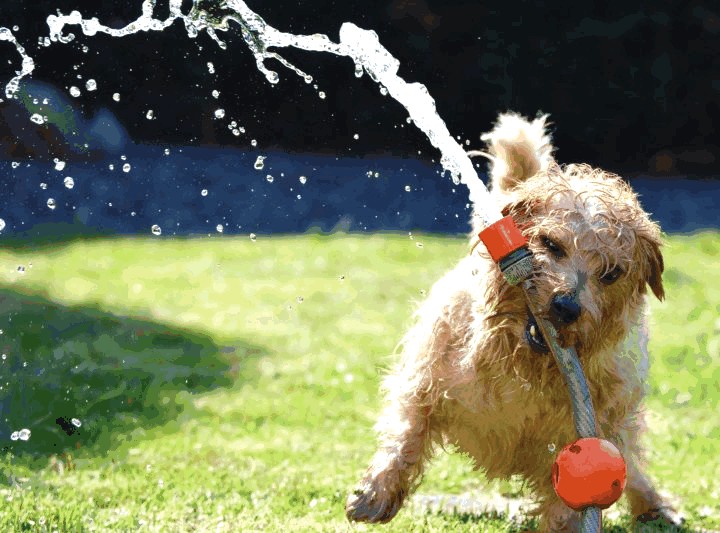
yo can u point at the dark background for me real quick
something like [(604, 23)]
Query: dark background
[(630, 86)]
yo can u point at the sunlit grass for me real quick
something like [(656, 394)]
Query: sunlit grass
[(252, 369)]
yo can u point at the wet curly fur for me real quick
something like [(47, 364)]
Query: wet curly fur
[(472, 371)]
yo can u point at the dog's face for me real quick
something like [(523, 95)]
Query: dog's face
[(596, 251)]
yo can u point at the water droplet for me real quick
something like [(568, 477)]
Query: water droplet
[(269, 178), (253, 237), (126, 167), (358, 70), (211, 67), (24, 434), (74, 92), (551, 447), (150, 114), (259, 162), (408, 188), (111, 166), (356, 136), (299, 196), (419, 244), (43, 186), (253, 143), (166, 151), (219, 228), (156, 230), (321, 94), (69, 182), (216, 93), (342, 278), (272, 76), (59, 165), (21, 269), (308, 79), (219, 113), (76, 422), (116, 97), (302, 179), (383, 91), (2, 224), (408, 120), (91, 85), (236, 132), (300, 299), (14, 435), (204, 192), (123, 157), (37, 119), (51, 203)]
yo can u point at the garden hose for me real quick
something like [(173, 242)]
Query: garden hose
[(508, 248)]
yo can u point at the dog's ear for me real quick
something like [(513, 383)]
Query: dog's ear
[(654, 265), (518, 149)]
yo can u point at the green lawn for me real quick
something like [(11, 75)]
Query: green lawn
[(222, 384)]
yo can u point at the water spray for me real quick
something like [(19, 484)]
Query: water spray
[(502, 238)]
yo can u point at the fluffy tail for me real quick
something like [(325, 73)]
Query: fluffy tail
[(517, 149)]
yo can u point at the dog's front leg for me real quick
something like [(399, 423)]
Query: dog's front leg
[(405, 430), (646, 504), (395, 467)]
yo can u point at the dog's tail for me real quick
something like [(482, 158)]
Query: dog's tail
[(518, 149)]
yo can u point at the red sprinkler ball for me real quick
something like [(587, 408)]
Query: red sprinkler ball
[(589, 472)]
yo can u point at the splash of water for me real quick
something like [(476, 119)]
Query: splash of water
[(27, 65), (362, 46)]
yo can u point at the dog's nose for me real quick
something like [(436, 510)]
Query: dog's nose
[(565, 308)]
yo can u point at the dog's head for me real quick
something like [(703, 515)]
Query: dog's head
[(596, 251)]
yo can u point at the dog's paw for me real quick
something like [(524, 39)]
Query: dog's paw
[(659, 519), (373, 504)]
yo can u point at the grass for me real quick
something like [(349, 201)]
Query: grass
[(228, 385)]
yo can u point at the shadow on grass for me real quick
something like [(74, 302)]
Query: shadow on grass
[(79, 377)]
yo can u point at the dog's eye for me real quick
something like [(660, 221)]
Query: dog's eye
[(611, 276), (554, 247)]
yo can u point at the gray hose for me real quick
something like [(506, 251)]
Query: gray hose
[(517, 269)]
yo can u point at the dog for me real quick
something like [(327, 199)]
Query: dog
[(475, 372)]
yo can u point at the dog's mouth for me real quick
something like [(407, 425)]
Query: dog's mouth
[(534, 336)]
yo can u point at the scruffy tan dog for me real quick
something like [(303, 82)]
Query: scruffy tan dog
[(475, 371)]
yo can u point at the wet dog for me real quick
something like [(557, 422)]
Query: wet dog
[(475, 372)]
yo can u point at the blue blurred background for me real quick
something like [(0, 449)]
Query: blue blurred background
[(631, 87)]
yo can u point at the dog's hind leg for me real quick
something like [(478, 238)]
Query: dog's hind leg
[(405, 429)]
